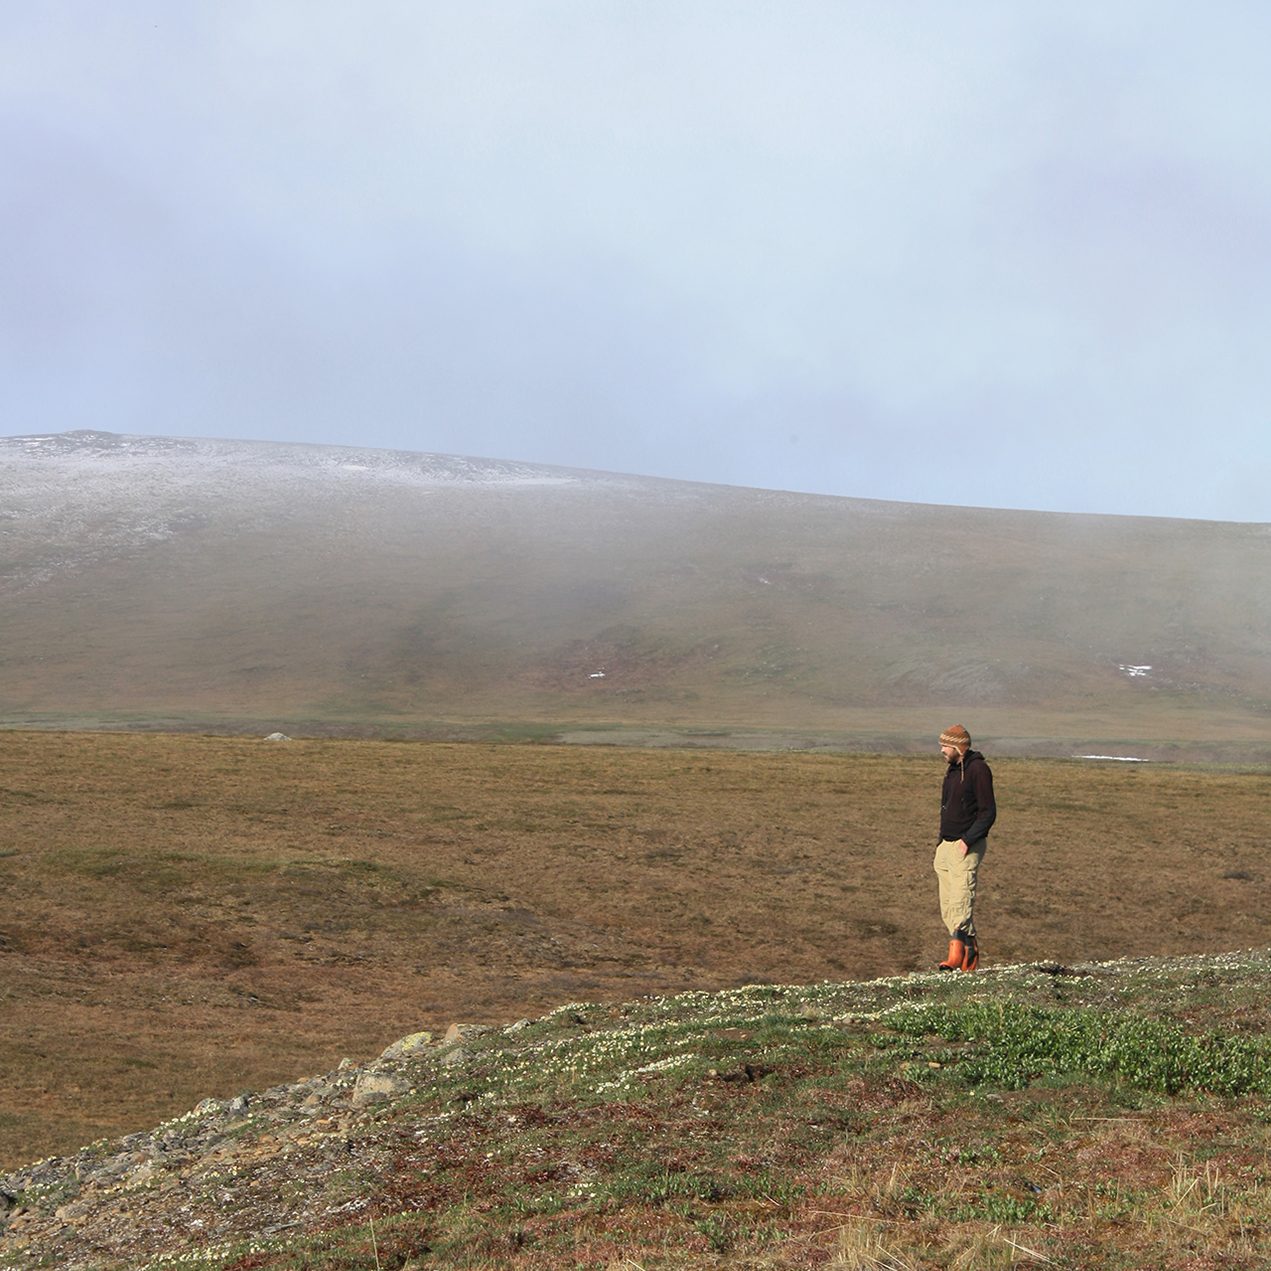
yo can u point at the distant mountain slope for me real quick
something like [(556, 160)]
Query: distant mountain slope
[(222, 583)]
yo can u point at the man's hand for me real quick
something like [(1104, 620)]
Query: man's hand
[(963, 847)]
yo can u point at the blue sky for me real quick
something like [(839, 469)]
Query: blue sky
[(1000, 254)]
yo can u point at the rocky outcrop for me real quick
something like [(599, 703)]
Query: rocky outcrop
[(83, 1206)]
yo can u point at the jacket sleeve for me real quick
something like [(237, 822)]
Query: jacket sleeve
[(986, 805)]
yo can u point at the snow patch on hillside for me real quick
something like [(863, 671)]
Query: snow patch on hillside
[(184, 459), (70, 500), (1135, 672)]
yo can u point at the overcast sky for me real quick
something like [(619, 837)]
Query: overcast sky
[(1008, 254)]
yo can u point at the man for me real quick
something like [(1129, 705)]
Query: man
[(967, 811)]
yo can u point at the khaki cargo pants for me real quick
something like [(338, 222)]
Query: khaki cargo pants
[(956, 875)]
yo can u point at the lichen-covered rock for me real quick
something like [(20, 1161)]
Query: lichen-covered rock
[(412, 1044)]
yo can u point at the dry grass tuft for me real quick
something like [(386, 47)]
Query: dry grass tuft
[(862, 1246)]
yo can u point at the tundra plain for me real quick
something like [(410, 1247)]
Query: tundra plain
[(189, 916)]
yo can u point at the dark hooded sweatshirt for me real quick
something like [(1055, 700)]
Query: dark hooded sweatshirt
[(967, 808)]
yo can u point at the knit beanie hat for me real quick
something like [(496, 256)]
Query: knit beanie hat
[(956, 736)]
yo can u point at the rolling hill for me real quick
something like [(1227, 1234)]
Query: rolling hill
[(227, 585)]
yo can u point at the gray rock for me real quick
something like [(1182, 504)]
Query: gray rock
[(115, 1168), (455, 1037), (377, 1087), (76, 1208)]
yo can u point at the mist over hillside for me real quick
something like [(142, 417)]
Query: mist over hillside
[(223, 584)]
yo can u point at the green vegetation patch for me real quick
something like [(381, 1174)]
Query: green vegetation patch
[(1011, 1044)]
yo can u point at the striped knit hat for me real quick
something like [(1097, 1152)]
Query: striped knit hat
[(956, 736)]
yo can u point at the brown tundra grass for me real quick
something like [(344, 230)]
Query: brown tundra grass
[(190, 916)]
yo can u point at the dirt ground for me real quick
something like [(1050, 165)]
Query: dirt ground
[(188, 916)]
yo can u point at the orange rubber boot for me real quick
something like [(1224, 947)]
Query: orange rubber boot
[(956, 957)]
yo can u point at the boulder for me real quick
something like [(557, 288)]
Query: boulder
[(378, 1087), (409, 1045)]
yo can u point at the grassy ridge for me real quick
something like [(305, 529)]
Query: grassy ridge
[(1113, 1115)]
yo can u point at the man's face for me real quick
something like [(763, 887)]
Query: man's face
[(949, 752)]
